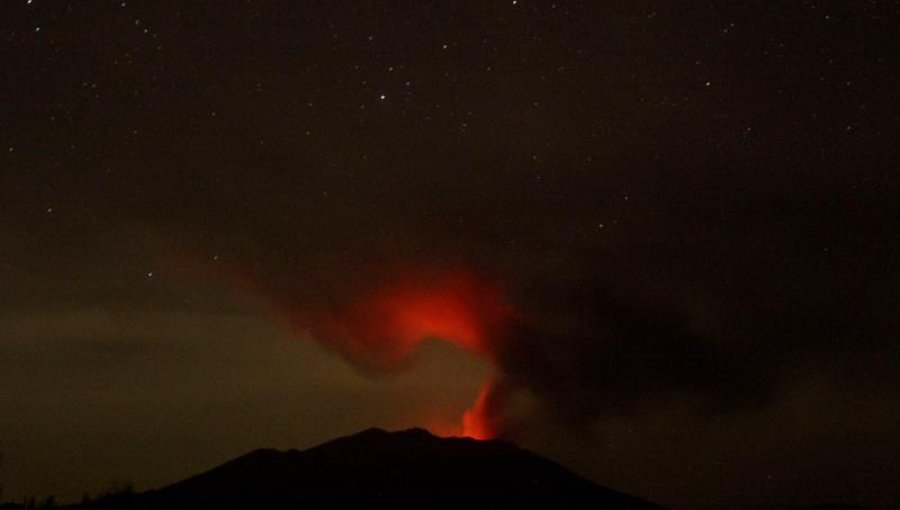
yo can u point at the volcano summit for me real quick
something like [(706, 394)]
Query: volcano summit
[(408, 469)]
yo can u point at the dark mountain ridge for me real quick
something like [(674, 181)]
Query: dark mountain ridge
[(408, 469), (375, 468)]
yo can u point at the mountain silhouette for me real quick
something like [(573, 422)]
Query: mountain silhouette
[(379, 469), (408, 469)]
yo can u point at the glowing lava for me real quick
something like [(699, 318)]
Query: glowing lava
[(475, 422)]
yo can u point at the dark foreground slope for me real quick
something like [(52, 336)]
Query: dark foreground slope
[(398, 470)]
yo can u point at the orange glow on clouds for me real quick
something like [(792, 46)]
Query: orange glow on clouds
[(384, 328), (456, 309), (379, 329)]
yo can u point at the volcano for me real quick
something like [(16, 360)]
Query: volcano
[(397, 470)]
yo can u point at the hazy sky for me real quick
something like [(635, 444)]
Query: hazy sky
[(664, 234)]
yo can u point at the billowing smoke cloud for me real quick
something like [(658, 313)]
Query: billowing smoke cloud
[(586, 331), (604, 344), (377, 325)]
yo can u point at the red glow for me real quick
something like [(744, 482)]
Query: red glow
[(455, 308), (379, 328), (475, 423)]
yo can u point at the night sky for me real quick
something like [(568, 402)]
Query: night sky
[(657, 242)]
